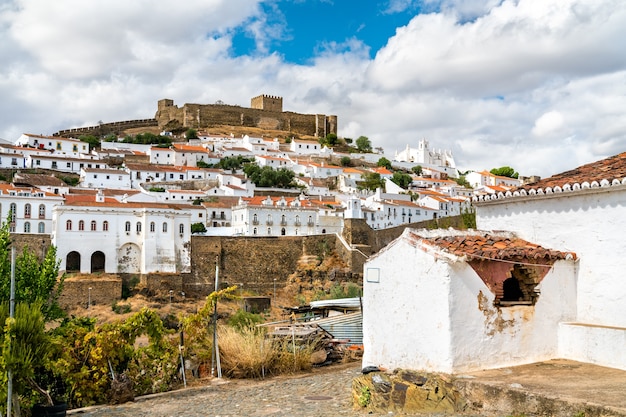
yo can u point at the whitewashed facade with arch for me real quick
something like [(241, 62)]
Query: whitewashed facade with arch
[(140, 238)]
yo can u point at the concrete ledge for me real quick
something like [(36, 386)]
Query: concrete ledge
[(600, 345)]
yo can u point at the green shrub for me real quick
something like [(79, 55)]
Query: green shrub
[(243, 319)]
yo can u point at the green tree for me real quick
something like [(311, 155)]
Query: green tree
[(35, 280), (329, 140), (401, 179), (93, 141), (384, 162), (371, 181), (363, 144), (268, 177), (505, 172), (345, 161), (463, 182), (25, 352), (198, 228), (417, 170), (191, 134)]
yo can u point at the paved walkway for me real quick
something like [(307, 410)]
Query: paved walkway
[(324, 393), (568, 388)]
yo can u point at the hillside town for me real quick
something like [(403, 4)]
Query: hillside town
[(145, 201)]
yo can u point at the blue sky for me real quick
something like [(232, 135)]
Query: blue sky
[(539, 85), (303, 29)]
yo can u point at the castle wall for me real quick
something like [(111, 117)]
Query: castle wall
[(207, 115)]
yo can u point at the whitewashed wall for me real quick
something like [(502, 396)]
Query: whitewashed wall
[(588, 222), (486, 337), (406, 317)]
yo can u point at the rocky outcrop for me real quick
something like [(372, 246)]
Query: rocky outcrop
[(406, 391)]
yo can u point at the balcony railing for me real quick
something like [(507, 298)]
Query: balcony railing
[(269, 222), (255, 222)]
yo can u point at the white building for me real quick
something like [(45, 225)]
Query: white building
[(104, 178), (583, 210), (423, 155), (305, 147), (486, 178), (161, 156), (58, 145), (459, 301), (274, 216), (64, 163), (141, 237), (28, 210)]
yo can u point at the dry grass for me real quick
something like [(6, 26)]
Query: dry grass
[(250, 353)]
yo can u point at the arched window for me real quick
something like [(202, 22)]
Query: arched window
[(127, 226), (269, 230), (283, 231), (94, 226), (81, 225), (42, 211), (41, 228), (13, 209), (164, 227), (152, 227), (68, 225), (254, 231), (138, 227), (255, 219), (27, 210), (27, 227), (105, 226), (181, 228)]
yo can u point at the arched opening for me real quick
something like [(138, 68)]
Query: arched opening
[(282, 231), (511, 290), (72, 262), (97, 262)]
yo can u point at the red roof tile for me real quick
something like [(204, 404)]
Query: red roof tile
[(613, 167), (483, 245)]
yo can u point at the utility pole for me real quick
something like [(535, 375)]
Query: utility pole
[(216, 350), (11, 315)]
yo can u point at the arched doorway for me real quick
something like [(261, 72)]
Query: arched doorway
[(129, 259), (97, 262), (72, 262)]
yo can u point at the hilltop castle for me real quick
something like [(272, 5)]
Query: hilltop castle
[(265, 112)]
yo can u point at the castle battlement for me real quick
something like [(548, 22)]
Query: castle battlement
[(265, 111)]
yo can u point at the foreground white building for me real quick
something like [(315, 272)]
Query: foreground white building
[(585, 212), (450, 301), (562, 262)]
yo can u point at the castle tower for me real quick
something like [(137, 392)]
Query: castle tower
[(269, 103)]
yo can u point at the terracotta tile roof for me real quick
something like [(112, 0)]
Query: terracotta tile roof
[(613, 167), (486, 245)]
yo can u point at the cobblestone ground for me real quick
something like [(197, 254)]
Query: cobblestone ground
[(324, 393)]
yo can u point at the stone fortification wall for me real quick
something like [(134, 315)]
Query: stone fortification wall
[(77, 292), (37, 244), (250, 262), (107, 128), (189, 115)]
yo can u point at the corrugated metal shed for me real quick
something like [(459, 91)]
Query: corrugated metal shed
[(344, 327), (347, 303)]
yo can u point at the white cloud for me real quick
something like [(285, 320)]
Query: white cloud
[(548, 123), (539, 85)]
